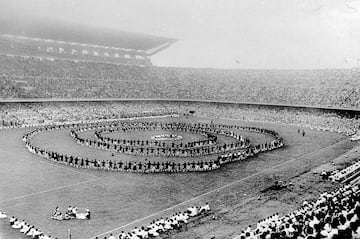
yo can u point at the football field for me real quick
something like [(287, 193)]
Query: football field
[(32, 187)]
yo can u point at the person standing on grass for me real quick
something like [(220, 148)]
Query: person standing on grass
[(12, 220), (57, 212)]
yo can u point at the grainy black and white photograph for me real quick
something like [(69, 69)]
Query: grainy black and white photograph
[(179, 119)]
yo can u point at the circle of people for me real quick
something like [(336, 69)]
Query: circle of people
[(152, 166), (156, 148)]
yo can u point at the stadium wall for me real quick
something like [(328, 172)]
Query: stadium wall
[(347, 112)]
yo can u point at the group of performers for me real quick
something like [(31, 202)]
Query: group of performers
[(153, 126), (156, 148), (34, 232), (71, 213), (148, 166)]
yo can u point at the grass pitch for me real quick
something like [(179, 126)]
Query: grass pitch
[(31, 187)]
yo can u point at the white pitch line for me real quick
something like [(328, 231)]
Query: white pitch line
[(215, 190), (49, 190)]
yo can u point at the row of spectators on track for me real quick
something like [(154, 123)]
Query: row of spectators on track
[(334, 215), (155, 228), (349, 174), (161, 226), (148, 166), (17, 115), (25, 228), (142, 147), (34, 78)]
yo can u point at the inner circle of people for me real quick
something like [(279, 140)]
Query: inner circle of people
[(155, 148)]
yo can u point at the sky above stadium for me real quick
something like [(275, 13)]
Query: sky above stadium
[(223, 34)]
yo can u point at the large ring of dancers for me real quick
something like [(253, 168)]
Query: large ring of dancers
[(240, 148)]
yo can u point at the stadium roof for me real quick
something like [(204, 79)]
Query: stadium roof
[(82, 34)]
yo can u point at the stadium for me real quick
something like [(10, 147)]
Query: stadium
[(90, 125)]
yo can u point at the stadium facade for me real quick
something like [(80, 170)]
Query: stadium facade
[(78, 42)]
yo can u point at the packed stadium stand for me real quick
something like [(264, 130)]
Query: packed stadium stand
[(42, 59), (40, 77), (37, 77)]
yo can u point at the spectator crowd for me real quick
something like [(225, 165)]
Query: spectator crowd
[(27, 77), (334, 215)]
